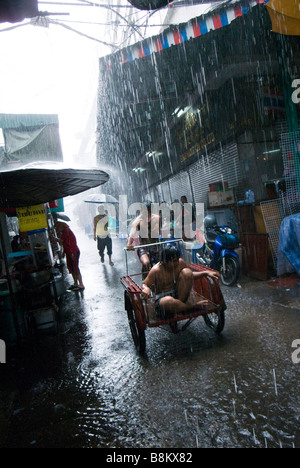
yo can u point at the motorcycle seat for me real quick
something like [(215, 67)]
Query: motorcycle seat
[(211, 236)]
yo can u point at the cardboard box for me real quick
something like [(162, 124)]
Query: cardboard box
[(218, 186), (221, 198)]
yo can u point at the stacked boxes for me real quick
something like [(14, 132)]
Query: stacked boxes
[(219, 194)]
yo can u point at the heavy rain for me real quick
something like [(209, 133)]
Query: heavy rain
[(146, 135)]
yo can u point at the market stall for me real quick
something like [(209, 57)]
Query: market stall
[(27, 191)]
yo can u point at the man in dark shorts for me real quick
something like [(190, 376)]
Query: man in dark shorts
[(102, 235)]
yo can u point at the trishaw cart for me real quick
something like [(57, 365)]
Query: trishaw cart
[(142, 315)]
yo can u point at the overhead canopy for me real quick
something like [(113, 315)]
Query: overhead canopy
[(33, 184), (156, 4), (16, 10)]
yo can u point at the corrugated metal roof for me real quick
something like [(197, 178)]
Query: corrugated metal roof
[(27, 120)]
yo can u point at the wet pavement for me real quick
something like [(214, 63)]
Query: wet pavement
[(86, 387)]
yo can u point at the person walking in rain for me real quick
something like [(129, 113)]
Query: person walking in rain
[(102, 235), (68, 241)]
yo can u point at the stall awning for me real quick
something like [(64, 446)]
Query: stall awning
[(35, 184), (285, 16)]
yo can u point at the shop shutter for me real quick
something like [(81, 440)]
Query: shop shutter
[(164, 191), (180, 185), (221, 165)]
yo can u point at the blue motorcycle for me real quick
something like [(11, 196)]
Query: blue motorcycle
[(218, 251)]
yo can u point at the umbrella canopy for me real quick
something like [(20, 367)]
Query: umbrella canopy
[(62, 216), (100, 198), (41, 183)]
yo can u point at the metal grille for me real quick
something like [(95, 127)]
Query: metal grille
[(222, 165), (180, 185), (164, 192), (273, 216), (290, 144)]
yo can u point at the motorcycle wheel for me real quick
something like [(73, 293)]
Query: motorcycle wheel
[(231, 272)]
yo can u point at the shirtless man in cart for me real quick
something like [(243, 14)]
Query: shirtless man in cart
[(143, 227), (173, 282)]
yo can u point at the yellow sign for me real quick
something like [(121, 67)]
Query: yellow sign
[(285, 16), (32, 218)]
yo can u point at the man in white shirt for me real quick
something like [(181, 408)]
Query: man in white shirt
[(102, 235)]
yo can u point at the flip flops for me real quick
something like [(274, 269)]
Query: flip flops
[(78, 288), (75, 288)]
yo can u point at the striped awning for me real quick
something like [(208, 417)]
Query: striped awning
[(194, 28)]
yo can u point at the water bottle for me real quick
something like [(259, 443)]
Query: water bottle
[(250, 198)]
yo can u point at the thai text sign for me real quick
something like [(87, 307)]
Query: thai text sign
[(32, 218)]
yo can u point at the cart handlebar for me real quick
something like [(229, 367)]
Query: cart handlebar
[(169, 241), (135, 247)]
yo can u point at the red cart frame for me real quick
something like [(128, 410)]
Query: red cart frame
[(141, 314)]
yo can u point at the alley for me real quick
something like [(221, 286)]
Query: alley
[(86, 387)]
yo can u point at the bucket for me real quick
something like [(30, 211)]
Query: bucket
[(44, 318), (8, 331), (59, 285)]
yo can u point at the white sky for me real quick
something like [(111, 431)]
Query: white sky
[(55, 71)]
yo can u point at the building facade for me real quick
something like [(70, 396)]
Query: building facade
[(212, 104)]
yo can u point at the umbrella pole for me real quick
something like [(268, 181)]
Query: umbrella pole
[(12, 297)]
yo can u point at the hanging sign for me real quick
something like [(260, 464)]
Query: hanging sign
[(32, 218), (57, 205)]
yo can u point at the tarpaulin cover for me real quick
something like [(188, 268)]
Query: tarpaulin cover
[(289, 246), (29, 145), (285, 16), (35, 184), (30, 137), (13, 11)]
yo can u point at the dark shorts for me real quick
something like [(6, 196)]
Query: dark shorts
[(160, 310), (103, 242)]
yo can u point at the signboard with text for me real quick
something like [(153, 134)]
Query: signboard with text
[(32, 218)]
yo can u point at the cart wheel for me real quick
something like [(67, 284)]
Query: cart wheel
[(215, 321), (138, 335)]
